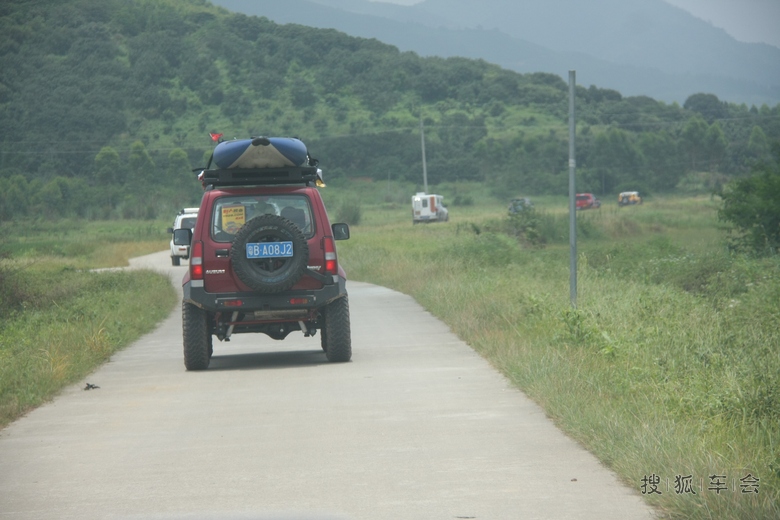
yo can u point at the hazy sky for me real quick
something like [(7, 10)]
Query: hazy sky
[(745, 20)]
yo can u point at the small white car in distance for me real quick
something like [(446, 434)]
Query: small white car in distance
[(186, 218)]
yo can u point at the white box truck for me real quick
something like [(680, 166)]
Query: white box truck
[(428, 207)]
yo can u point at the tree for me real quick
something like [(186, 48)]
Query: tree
[(14, 199), (179, 169), (302, 93), (663, 165), (615, 159), (50, 199), (715, 146), (693, 139), (140, 163), (107, 165), (752, 207), (758, 147), (707, 105)]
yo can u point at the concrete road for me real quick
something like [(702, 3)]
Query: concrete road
[(417, 426)]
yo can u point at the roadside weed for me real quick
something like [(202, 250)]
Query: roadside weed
[(58, 320), (667, 367)]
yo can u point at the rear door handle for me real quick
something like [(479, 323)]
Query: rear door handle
[(222, 253)]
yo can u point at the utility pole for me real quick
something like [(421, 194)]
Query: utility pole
[(572, 197), (425, 169)]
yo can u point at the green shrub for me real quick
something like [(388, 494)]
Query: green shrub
[(752, 207), (10, 294), (524, 225), (484, 249), (349, 211), (463, 200)]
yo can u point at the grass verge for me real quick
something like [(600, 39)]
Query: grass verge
[(668, 368), (59, 320)]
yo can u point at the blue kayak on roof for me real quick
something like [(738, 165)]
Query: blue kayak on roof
[(261, 152)]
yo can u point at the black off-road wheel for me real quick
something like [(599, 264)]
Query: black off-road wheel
[(197, 338), (336, 336), (269, 275), (323, 339)]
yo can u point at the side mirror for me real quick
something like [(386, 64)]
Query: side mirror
[(182, 237), (169, 230), (340, 231)]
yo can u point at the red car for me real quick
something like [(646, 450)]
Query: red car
[(587, 201)]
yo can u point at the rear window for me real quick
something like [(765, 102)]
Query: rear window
[(582, 197), (188, 223), (230, 213)]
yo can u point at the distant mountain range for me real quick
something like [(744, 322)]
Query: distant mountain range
[(637, 47)]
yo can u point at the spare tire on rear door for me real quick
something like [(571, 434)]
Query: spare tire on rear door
[(269, 254)]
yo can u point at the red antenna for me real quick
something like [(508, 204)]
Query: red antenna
[(215, 137)]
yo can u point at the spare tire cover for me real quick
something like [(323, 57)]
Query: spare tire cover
[(269, 275)]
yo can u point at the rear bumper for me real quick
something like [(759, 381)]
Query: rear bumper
[(182, 251), (253, 301)]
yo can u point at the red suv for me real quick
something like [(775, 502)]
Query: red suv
[(263, 259), (587, 201)]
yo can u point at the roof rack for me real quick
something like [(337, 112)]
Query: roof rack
[(258, 176)]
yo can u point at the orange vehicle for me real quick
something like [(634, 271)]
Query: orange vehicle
[(628, 198)]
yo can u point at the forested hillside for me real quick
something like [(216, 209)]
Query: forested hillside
[(106, 106)]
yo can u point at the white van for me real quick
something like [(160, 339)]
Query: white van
[(427, 207)]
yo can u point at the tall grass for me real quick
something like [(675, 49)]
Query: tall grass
[(85, 244), (669, 365), (59, 320)]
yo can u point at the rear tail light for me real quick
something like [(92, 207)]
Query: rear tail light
[(331, 266), (196, 261)]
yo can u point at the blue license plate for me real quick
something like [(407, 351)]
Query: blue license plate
[(269, 250)]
